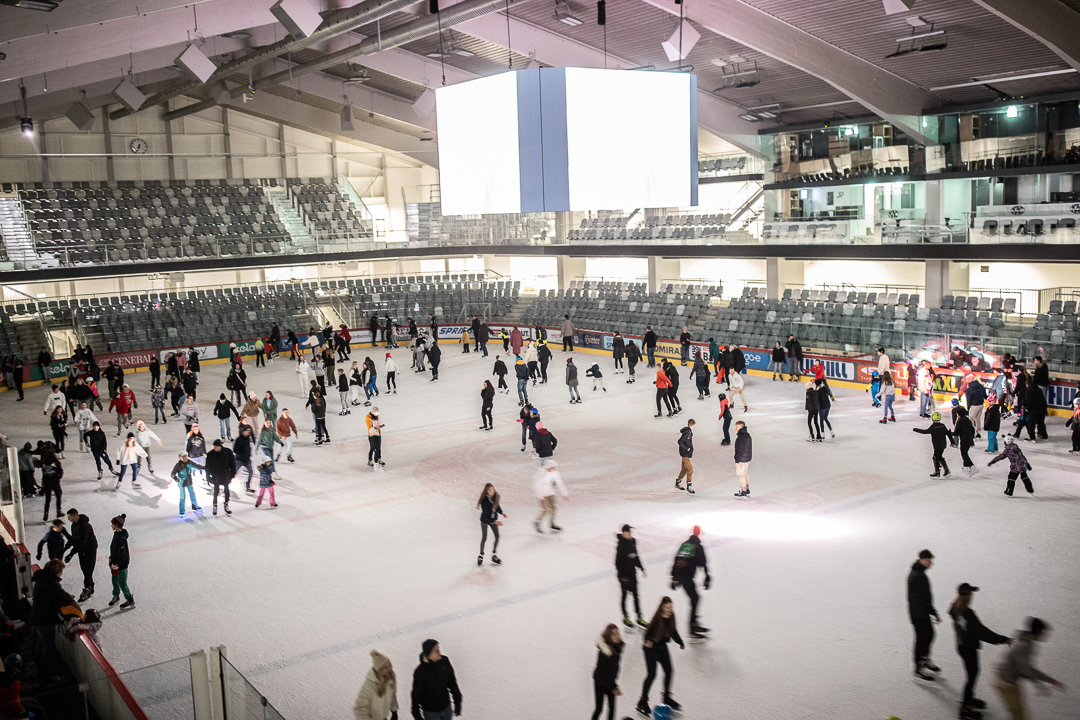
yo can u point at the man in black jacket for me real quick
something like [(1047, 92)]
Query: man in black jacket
[(434, 684), (627, 563), (241, 452), (939, 435), (544, 443), (744, 453), (794, 351), (1035, 404), (99, 448), (474, 325), (673, 391), (220, 470), (483, 334), (686, 451), (921, 609), (434, 356), (650, 345), (83, 543), (688, 559), (684, 345), (965, 435)]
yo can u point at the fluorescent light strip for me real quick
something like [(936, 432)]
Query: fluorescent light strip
[(1009, 78), (921, 35)]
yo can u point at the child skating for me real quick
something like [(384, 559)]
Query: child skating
[(940, 436), (1018, 466), (266, 482), (597, 377)]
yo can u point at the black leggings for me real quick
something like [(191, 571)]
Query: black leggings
[(601, 693), (391, 381), (87, 562), (483, 536), (673, 395), (631, 365), (485, 414), (662, 394), (812, 423), (629, 587), (374, 448), (964, 454), (58, 438), (970, 656), (618, 362), (52, 489), (320, 428), (219, 488), (502, 383), (658, 653)]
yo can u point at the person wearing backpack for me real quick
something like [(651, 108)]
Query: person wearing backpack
[(690, 557)]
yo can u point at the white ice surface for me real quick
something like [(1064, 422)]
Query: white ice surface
[(808, 602)]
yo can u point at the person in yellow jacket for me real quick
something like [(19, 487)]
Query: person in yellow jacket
[(465, 340), (374, 432), (378, 695)]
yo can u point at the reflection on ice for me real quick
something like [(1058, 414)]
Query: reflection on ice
[(762, 525)]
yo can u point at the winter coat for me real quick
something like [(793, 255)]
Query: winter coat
[(120, 404), (129, 454), (55, 540), (157, 398), (52, 472), (434, 684), (234, 381), (567, 328), (594, 371), (661, 382), (965, 431), (686, 443), (489, 512), (920, 599), (976, 394), (49, 597), (939, 434), (633, 353), (627, 560), (285, 427), (548, 484), (242, 448), (1017, 662), (482, 333), (99, 442), (530, 355), (521, 371), (992, 419), (374, 424), (571, 375), (222, 409), (266, 476), (389, 366), (971, 633), (195, 445), (543, 352), (1018, 462), (434, 354), (268, 437), (1035, 402), (370, 705), (343, 382), (181, 473), (778, 355), (251, 408), (1041, 376), (499, 369), (672, 375), (618, 345), (545, 443), (824, 403), (118, 550), (83, 539), (487, 395), (269, 408), (515, 341), (690, 557), (220, 466), (650, 339), (606, 674), (684, 339), (744, 449), (794, 350), (738, 360)]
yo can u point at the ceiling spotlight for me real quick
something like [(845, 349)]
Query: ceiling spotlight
[(27, 126), (564, 15), (462, 52), (748, 117), (237, 35), (928, 41), (43, 5)]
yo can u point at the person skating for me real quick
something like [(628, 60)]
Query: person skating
[(686, 452), (487, 401), (378, 695), (690, 557), (568, 330), (243, 450), (318, 412), (544, 442), (618, 349), (343, 391), (744, 453), (548, 484), (795, 357), (157, 402), (633, 356), (649, 343), (83, 542), (145, 437), (52, 472), (182, 473), (813, 407), (700, 372), (434, 356), (434, 685), (374, 433), (266, 440), (627, 563), (119, 560), (370, 380), (992, 426), (220, 470), (465, 341), (684, 346), (920, 611), (490, 510), (84, 421), (661, 630), (99, 448), (725, 416), (1073, 422), (528, 416), (825, 399), (266, 482), (572, 381), (597, 376), (189, 413), (887, 397), (123, 412), (673, 392), (543, 354), (500, 370), (55, 538), (662, 386), (390, 370), (970, 635), (521, 372), (965, 436), (940, 436), (129, 456), (1018, 664), (606, 675), (776, 364), (1018, 466), (531, 358), (736, 384), (286, 430)]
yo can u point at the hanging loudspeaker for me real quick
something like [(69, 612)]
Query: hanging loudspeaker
[(601, 12), (433, 7)]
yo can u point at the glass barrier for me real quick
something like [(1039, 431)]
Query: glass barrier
[(163, 690), (241, 700)]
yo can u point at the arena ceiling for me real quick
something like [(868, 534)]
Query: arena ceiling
[(761, 64)]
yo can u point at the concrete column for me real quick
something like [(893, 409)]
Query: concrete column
[(169, 144), (562, 226), (110, 171), (662, 269), (43, 151), (228, 142), (937, 282), (772, 278), (570, 269), (780, 274), (281, 149), (935, 202)]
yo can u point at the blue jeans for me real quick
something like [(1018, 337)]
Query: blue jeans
[(823, 418), (191, 492), (102, 456), (523, 394), (447, 713), (574, 392), (889, 398), (483, 346), (372, 388), (991, 440), (226, 428), (244, 465), (134, 473), (651, 353), (161, 411), (926, 403)]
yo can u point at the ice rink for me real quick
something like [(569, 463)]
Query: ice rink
[(807, 607)]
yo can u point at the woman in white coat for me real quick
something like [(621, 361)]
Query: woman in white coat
[(303, 374), (129, 456), (378, 696)]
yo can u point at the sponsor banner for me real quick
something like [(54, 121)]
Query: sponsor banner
[(135, 359), (835, 368)]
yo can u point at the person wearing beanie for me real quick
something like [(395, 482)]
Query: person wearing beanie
[(220, 470), (129, 456), (374, 432), (522, 374), (1018, 466), (572, 381), (181, 473), (390, 370), (920, 610), (970, 635), (1018, 664), (531, 359), (119, 557), (690, 557), (940, 436), (378, 695), (434, 685)]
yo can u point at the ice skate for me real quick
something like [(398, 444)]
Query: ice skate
[(227, 510), (642, 622), (643, 708), (115, 599), (741, 494), (86, 594), (670, 702), (627, 622), (678, 485), (215, 508), (99, 474), (923, 674), (480, 559), (929, 665), (495, 559), (696, 628), (689, 489), (536, 524), (556, 528), (129, 603)]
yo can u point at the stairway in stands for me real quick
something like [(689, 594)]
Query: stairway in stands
[(517, 311), (16, 234), (291, 219)]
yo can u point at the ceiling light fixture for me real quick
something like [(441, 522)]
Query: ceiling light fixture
[(681, 42), (1008, 78), (919, 42), (749, 117), (42, 5), (237, 35), (564, 15), (736, 77), (27, 126)]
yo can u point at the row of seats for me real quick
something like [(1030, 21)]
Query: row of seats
[(719, 164), (853, 297), (1026, 226), (9, 339), (959, 302), (325, 209), (449, 301), (643, 232)]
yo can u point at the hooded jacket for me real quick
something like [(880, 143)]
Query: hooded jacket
[(627, 560), (617, 346), (83, 539), (594, 371), (971, 633), (49, 597), (1018, 463), (181, 473), (369, 704), (99, 442), (434, 683), (545, 443), (965, 429), (606, 674), (189, 412), (571, 374), (118, 550), (220, 466), (434, 354), (661, 382), (499, 369), (520, 371), (690, 557), (686, 443), (939, 434), (812, 404), (920, 599), (744, 450), (222, 409)]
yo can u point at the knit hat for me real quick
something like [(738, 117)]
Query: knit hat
[(428, 646), (130, 435), (218, 443), (697, 530), (378, 660), (182, 455), (119, 520), (569, 360)]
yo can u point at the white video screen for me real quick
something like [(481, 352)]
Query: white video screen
[(629, 139), (478, 146)]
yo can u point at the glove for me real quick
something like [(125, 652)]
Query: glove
[(39, 556), (674, 584), (67, 559), (708, 582)]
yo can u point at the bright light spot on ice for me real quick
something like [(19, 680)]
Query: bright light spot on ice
[(759, 525)]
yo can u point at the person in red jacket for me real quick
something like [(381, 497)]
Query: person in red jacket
[(122, 405), (663, 385), (347, 337)]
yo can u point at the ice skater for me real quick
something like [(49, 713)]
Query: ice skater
[(522, 374), (970, 635), (776, 364), (128, 457), (374, 433), (673, 391), (887, 396), (1018, 466), (965, 436), (725, 416), (744, 453), (390, 371), (702, 376), (605, 676), (434, 356), (549, 482), (940, 437), (633, 356), (597, 377), (875, 389), (1019, 665), (627, 563), (119, 559), (920, 610), (182, 473), (690, 557), (528, 417), (500, 370), (662, 386), (618, 350), (266, 482), (813, 412), (1073, 421), (490, 510), (686, 452), (661, 630), (572, 381), (487, 400)]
